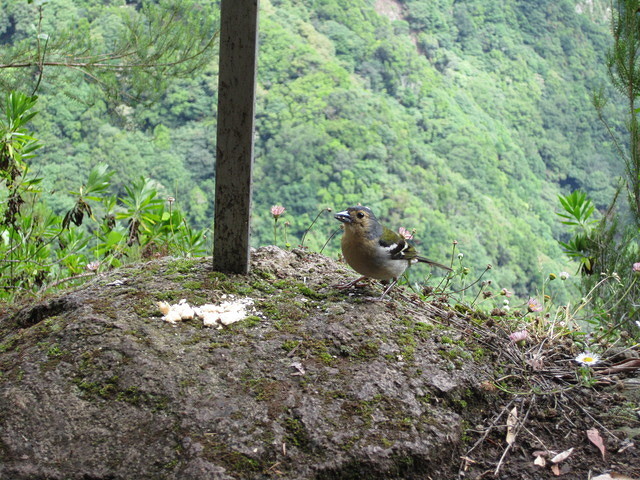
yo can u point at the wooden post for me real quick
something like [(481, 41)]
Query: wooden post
[(234, 148)]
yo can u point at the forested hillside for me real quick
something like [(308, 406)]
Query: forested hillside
[(461, 119)]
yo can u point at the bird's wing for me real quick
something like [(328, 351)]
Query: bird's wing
[(395, 245)]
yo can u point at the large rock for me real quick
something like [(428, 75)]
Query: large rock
[(317, 383)]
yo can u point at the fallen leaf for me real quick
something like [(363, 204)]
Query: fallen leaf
[(612, 476), (541, 453), (556, 470), (512, 421), (596, 439), (626, 444), (626, 365), (562, 456), (540, 461)]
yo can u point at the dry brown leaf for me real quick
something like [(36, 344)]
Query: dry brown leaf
[(556, 470), (562, 456), (512, 421), (596, 439), (626, 365)]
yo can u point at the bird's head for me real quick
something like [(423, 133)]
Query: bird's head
[(360, 221)]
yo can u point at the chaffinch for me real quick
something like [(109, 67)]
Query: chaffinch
[(375, 251)]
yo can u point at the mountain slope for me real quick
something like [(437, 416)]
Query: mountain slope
[(463, 120)]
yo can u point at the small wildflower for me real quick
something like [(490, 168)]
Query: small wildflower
[(552, 276), (534, 305), (171, 200), (460, 255), (587, 358), (564, 275), (277, 211), (93, 266), (636, 268), (505, 302), (405, 233), (519, 338), (506, 293)]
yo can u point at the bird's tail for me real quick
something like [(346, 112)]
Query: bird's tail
[(435, 264)]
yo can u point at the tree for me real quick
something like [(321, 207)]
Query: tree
[(611, 247), (623, 63), (128, 51)]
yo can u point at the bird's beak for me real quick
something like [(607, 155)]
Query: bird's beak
[(344, 217)]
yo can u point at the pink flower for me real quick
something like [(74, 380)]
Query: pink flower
[(636, 268), (93, 266), (519, 337), (405, 233), (277, 211), (506, 293), (534, 305)]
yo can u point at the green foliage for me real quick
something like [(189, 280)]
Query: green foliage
[(463, 120), (579, 209), (40, 249), (623, 63), (129, 52), (97, 183), (582, 246), (17, 144), (606, 250)]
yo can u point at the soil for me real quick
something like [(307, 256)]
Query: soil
[(316, 383)]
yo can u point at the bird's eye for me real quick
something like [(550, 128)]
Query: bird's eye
[(360, 214)]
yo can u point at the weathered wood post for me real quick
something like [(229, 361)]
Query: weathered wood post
[(234, 148)]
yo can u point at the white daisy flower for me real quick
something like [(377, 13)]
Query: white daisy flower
[(588, 358)]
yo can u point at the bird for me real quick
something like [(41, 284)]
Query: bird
[(375, 251)]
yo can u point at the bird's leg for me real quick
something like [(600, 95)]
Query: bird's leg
[(391, 285), (344, 286)]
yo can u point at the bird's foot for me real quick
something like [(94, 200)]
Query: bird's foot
[(354, 283), (386, 290)]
